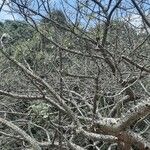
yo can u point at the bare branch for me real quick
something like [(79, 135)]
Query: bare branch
[(22, 133)]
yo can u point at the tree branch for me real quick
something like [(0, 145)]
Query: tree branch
[(32, 141)]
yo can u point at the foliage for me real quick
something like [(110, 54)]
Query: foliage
[(74, 81)]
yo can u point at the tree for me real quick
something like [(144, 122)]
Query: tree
[(81, 78)]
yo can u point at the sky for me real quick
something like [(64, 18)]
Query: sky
[(6, 15)]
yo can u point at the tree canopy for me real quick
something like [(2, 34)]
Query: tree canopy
[(75, 76)]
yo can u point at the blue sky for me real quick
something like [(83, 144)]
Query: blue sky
[(5, 14)]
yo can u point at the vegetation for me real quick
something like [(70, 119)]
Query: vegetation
[(76, 77)]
